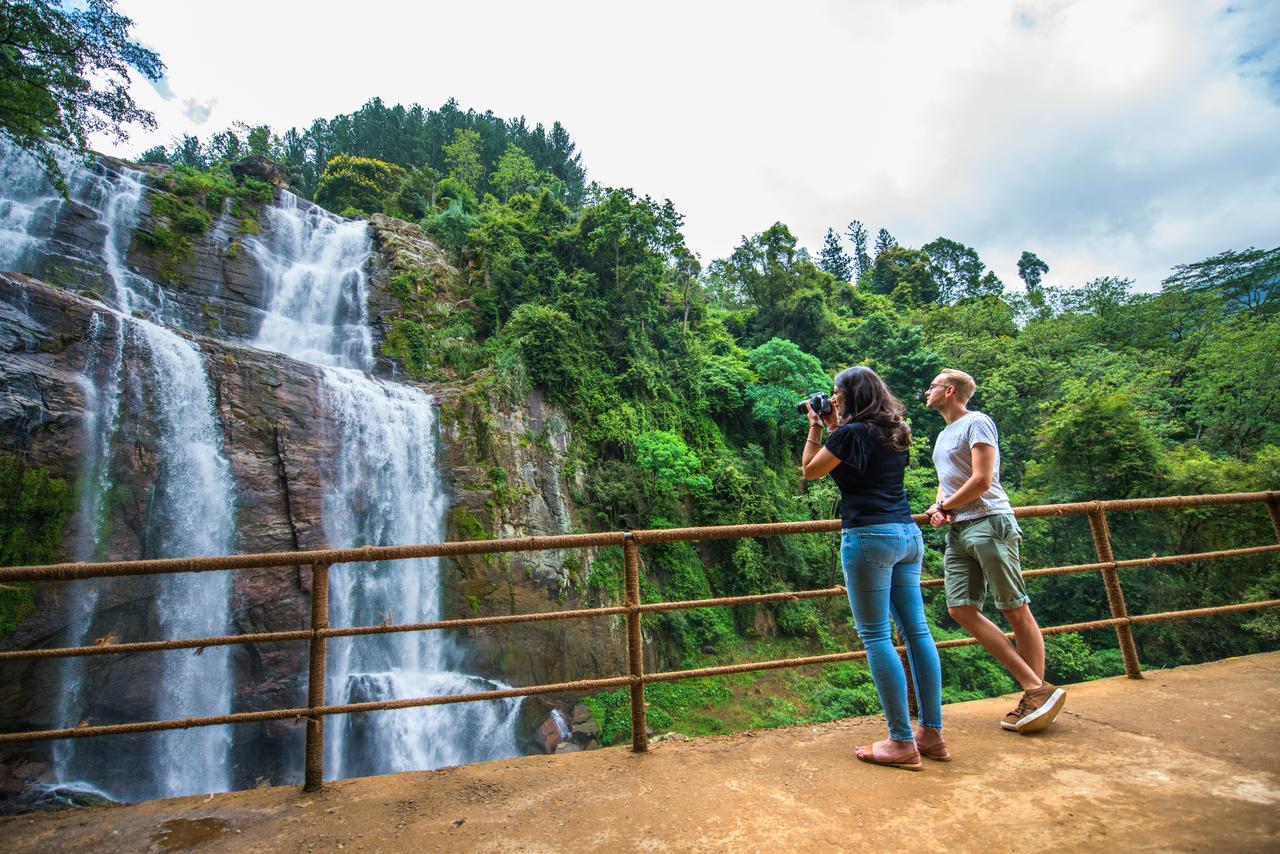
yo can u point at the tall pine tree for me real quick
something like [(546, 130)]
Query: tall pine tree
[(884, 241), (833, 259), (858, 237)]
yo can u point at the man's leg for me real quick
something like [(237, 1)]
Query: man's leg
[(994, 641), (1028, 637), (1002, 567), (966, 586)]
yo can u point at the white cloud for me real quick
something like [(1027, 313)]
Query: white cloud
[(1112, 138), (197, 112)]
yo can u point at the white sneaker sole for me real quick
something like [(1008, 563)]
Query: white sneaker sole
[(1043, 716)]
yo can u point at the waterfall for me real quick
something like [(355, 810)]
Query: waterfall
[(191, 510), (385, 490)]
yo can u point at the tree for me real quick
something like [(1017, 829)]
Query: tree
[(1095, 446), (833, 259), (361, 185), (1031, 269), (785, 374), (1250, 280), (515, 172), (674, 466), (898, 353), (64, 75), (884, 241), (462, 158), (956, 269), (858, 237), (1235, 396), (906, 275)]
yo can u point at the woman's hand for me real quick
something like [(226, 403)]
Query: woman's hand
[(815, 420)]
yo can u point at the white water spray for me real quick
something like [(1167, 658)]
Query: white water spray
[(386, 492), (191, 511)]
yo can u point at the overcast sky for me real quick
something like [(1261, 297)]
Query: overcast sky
[(1114, 137)]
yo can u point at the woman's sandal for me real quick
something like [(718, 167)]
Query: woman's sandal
[(914, 763), (938, 753)]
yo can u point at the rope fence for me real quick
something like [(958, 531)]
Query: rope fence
[(320, 561)]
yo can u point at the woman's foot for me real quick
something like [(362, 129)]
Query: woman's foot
[(930, 743), (897, 754)]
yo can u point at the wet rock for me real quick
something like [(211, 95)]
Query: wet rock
[(257, 166), (548, 736), (586, 730)]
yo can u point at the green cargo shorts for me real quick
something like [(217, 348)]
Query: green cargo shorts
[(983, 553)]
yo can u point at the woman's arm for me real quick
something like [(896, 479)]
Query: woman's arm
[(815, 461)]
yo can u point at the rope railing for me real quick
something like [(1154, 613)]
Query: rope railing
[(317, 635)]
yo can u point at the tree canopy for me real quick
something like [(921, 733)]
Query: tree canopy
[(64, 76)]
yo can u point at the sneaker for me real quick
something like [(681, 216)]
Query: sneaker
[(1036, 710), (1010, 721)]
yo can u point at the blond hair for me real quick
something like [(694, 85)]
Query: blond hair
[(961, 382)]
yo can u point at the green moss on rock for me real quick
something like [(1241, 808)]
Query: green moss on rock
[(34, 508)]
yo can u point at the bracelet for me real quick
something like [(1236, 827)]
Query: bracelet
[(813, 442)]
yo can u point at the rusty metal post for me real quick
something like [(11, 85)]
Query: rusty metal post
[(314, 775), (1115, 594), (1273, 507), (635, 644)]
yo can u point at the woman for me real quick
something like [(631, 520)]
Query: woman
[(881, 550)]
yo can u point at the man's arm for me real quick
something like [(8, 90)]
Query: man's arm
[(984, 471)]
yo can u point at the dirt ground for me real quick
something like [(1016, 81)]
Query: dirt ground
[(1186, 760)]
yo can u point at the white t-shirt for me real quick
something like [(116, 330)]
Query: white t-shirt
[(953, 458)]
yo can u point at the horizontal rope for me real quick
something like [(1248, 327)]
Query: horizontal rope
[(754, 599), (108, 648), (579, 686), (328, 557), (68, 571), (509, 619), (1154, 560)]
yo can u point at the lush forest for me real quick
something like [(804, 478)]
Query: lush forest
[(681, 379)]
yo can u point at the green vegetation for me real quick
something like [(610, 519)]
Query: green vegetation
[(478, 152), (184, 204), (34, 509)]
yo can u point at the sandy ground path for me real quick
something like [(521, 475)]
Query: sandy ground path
[(1186, 759)]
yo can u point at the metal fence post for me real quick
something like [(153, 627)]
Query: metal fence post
[(1115, 594), (314, 775), (635, 644)]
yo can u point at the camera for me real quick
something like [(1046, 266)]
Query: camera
[(820, 402)]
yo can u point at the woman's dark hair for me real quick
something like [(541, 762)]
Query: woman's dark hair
[(868, 399)]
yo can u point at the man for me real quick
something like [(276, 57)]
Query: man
[(982, 548)]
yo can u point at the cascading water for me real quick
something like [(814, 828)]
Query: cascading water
[(191, 507), (385, 491)]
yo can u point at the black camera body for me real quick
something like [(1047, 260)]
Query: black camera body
[(819, 401)]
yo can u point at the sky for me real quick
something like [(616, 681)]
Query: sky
[(1111, 138)]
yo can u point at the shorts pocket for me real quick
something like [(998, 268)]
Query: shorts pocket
[(1006, 528)]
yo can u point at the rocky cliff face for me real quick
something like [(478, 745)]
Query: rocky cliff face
[(278, 440), (506, 463)]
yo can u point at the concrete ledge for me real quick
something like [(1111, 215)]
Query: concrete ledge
[(1186, 759)]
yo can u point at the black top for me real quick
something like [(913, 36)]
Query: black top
[(869, 476)]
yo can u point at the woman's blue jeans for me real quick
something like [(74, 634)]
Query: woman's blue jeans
[(882, 575)]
